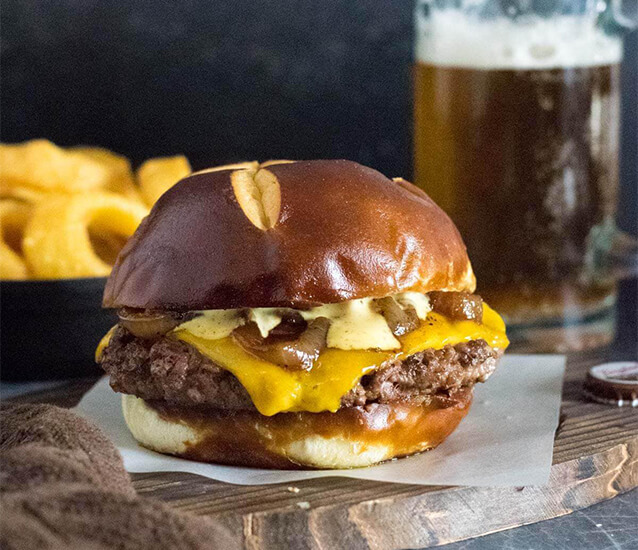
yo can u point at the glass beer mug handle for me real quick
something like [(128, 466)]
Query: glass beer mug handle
[(625, 14), (622, 257)]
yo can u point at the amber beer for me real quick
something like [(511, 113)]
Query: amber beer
[(525, 161)]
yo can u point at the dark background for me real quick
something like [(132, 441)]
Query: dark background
[(229, 80)]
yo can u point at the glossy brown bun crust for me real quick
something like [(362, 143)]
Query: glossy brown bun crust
[(350, 438), (344, 231)]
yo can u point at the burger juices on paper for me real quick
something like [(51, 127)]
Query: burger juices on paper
[(296, 314)]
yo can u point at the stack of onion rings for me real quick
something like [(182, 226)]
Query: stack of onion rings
[(66, 213)]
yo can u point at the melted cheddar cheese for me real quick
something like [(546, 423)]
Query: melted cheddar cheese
[(274, 389), (106, 339)]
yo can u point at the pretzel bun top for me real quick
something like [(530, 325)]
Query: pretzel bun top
[(287, 234)]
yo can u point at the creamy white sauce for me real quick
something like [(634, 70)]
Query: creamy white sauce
[(213, 324), (354, 324)]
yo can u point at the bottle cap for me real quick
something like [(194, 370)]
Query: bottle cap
[(613, 384)]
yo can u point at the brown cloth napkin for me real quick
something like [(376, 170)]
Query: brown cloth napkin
[(63, 485)]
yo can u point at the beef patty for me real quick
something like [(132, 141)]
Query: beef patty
[(171, 370)]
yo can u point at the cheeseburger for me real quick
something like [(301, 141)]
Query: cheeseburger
[(309, 314)]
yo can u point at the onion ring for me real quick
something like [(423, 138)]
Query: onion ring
[(156, 176), (14, 215), (57, 243), (121, 178), (42, 166)]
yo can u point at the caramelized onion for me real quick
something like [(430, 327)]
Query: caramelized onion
[(298, 353), (401, 321), (460, 306), (148, 325), (291, 327)]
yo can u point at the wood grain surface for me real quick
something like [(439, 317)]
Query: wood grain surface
[(595, 458)]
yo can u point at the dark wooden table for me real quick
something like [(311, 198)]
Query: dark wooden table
[(595, 459)]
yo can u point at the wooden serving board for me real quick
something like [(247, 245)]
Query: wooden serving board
[(595, 458)]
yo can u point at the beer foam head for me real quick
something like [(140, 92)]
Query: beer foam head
[(454, 38)]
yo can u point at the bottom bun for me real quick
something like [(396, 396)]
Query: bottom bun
[(350, 438)]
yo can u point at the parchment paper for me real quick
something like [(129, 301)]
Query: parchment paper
[(506, 439)]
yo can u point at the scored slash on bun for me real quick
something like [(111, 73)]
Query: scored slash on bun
[(341, 231), (350, 438)]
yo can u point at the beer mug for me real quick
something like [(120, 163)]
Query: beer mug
[(516, 137)]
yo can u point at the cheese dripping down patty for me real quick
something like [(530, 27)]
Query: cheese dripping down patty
[(275, 389), (354, 324)]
